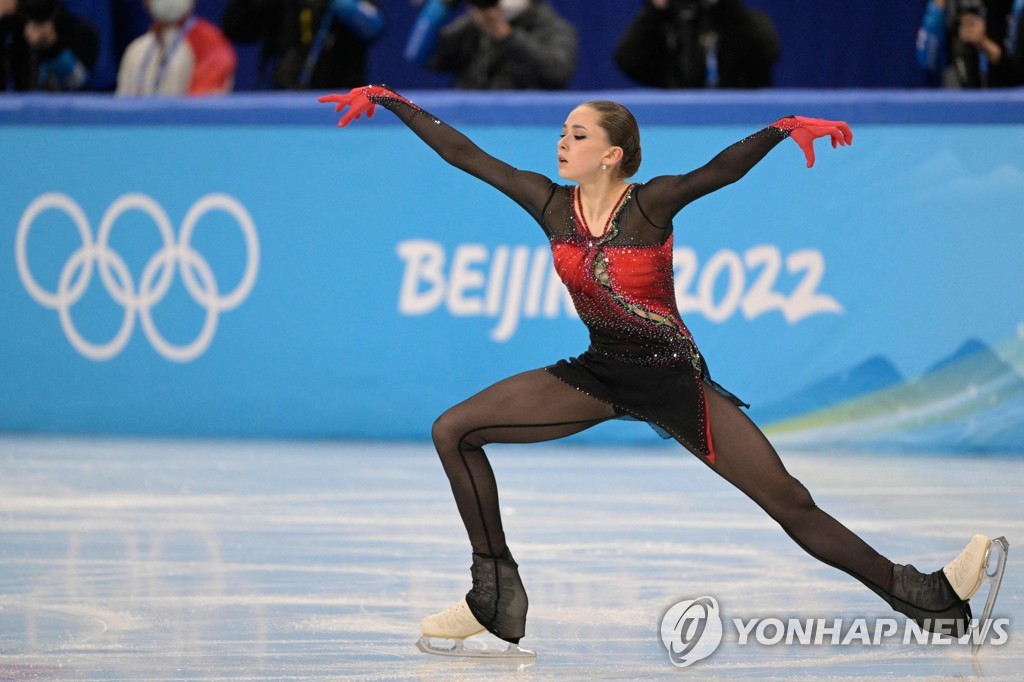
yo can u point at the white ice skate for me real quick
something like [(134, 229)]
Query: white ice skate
[(453, 627), (982, 561)]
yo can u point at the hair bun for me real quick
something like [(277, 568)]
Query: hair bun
[(620, 125)]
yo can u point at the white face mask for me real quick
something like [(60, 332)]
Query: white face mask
[(513, 8), (169, 11)]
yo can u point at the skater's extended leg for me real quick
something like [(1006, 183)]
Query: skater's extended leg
[(745, 458)]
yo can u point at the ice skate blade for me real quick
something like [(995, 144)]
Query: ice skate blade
[(477, 649), (992, 573)]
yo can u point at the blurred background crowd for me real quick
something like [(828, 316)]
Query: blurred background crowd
[(205, 47)]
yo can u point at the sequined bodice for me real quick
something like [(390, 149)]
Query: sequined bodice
[(622, 286), (620, 282)]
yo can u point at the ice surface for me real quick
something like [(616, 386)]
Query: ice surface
[(188, 560)]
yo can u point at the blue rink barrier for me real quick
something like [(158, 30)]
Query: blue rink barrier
[(240, 267), (652, 107)]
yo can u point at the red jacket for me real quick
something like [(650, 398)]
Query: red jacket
[(193, 58)]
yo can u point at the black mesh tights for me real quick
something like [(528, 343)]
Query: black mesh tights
[(535, 406)]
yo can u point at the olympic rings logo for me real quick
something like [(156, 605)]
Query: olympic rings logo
[(157, 275)]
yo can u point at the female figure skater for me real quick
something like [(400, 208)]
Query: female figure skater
[(612, 245)]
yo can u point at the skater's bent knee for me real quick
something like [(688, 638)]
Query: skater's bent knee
[(444, 431), (450, 432)]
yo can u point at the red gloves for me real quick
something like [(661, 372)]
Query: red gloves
[(805, 131), (358, 101), (363, 100)]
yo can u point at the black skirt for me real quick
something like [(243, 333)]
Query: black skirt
[(671, 399)]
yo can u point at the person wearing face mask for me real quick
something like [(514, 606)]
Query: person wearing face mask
[(181, 54), (496, 44), (45, 47)]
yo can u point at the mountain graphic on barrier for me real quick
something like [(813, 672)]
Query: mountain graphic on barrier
[(970, 400), (874, 374)]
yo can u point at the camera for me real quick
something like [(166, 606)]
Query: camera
[(970, 6), (484, 4)]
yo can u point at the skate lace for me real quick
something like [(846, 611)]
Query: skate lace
[(455, 616)]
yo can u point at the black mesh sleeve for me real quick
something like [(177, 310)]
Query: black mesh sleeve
[(664, 196), (530, 190)]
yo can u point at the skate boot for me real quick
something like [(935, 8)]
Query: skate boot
[(929, 600), (496, 603), (456, 622), (938, 602), (982, 561), (965, 571)]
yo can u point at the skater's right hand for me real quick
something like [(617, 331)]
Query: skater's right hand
[(364, 100), (358, 101)]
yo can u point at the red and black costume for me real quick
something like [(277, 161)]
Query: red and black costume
[(642, 361)]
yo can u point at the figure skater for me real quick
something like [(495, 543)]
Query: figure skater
[(612, 246)]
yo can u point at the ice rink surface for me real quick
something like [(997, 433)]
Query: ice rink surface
[(189, 560)]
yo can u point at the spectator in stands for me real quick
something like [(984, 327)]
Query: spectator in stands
[(973, 43), (181, 54), (496, 44), (307, 44), (699, 44), (43, 46)]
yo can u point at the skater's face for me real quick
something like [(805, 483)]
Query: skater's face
[(584, 147)]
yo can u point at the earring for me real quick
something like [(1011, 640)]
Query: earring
[(604, 167)]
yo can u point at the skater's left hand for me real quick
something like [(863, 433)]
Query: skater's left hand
[(357, 101), (805, 131)]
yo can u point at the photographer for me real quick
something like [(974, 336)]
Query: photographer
[(973, 43), (307, 44), (697, 44), (496, 44), (45, 47)]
